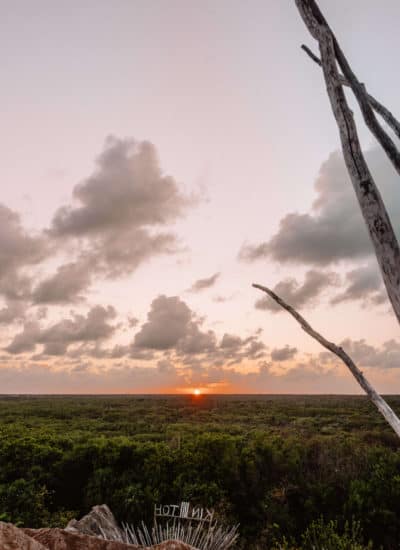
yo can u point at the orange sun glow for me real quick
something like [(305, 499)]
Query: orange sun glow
[(196, 392)]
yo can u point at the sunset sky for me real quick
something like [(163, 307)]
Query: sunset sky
[(159, 157)]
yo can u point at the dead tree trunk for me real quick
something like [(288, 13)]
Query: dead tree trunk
[(373, 209)]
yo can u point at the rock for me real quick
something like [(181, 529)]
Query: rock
[(99, 522), (12, 538), (60, 539), (85, 534)]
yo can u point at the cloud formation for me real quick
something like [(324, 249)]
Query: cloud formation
[(364, 354), (65, 285), (175, 331), (94, 327), (121, 209), (203, 284), (364, 284), (17, 247), (19, 251), (120, 217), (13, 310), (172, 324), (299, 295), (283, 354), (334, 229)]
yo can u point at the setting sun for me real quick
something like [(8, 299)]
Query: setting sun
[(196, 392)]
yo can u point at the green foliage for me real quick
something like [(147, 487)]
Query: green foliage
[(24, 502), (276, 465), (327, 536), (321, 535)]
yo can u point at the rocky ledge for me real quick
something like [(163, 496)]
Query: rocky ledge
[(78, 535)]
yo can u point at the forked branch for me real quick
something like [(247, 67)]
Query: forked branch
[(319, 27), (376, 399), (380, 228), (386, 115)]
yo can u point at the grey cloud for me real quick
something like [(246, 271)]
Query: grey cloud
[(119, 219), (80, 328), (363, 283), (118, 351), (127, 188), (121, 208), (55, 348), (231, 341), (172, 330), (13, 311), (334, 229), (236, 348), (172, 324), (299, 295), (203, 284), (167, 322), (25, 340), (15, 286), (65, 286), (232, 350), (197, 341), (386, 356), (93, 326), (119, 254), (255, 348), (17, 247), (283, 354), (18, 251)]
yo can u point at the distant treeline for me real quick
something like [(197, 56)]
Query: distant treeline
[(293, 471)]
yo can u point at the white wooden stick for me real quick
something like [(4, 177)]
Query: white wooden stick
[(376, 399)]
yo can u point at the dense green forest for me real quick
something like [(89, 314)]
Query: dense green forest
[(292, 470)]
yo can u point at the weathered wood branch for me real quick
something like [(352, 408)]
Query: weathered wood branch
[(316, 23), (386, 115), (373, 209), (376, 399)]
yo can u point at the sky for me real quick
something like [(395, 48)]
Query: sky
[(159, 157)]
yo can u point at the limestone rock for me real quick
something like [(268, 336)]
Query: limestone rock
[(85, 534), (60, 539), (12, 538), (99, 522)]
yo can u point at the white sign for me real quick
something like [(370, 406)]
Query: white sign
[(184, 510)]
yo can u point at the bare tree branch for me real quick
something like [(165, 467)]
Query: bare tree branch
[(316, 24), (373, 209), (387, 116), (377, 400)]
